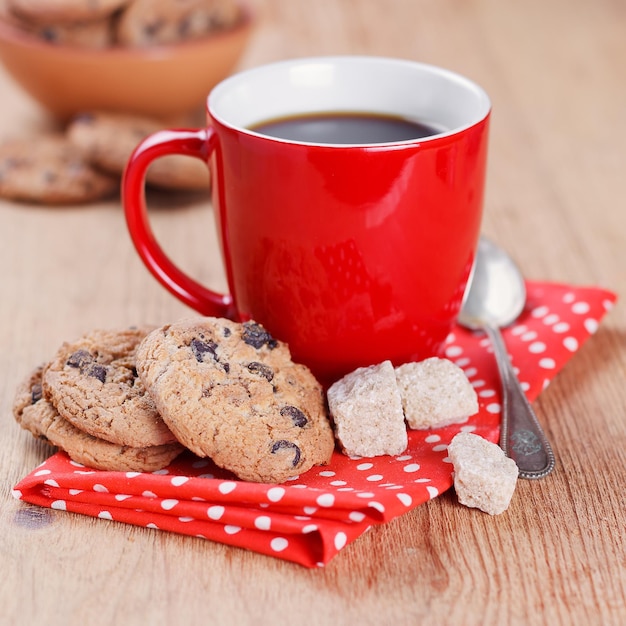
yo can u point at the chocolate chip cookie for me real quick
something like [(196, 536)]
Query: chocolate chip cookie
[(106, 140), (157, 22), (64, 11), (231, 392), (97, 34), (93, 384), (37, 415), (47, 169)]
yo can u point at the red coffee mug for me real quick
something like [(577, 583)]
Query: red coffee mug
[(351, 253)]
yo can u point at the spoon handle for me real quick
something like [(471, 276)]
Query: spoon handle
[(521, 435)]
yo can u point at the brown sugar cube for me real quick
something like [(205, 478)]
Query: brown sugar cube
[(435, 393), (367, 412), (484, 478)]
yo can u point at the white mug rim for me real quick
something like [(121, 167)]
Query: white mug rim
[(221, 102)]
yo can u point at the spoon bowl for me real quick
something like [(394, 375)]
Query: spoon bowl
[(495, 297), (497, 291)]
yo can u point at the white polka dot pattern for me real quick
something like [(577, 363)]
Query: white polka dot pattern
[(310, 518)]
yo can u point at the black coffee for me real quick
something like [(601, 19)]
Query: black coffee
[(345, 128)]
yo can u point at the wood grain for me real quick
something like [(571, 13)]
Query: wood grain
[(555, 199)]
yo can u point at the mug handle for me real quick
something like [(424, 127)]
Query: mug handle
[(194, 143)]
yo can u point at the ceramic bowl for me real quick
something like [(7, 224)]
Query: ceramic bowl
[(165, 81)]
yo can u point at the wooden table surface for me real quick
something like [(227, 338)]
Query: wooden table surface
[(555, 199)]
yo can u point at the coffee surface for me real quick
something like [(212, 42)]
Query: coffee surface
[(345, 128)]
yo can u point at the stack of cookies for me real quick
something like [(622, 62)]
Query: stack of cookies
[(89, 402), (132, 400)]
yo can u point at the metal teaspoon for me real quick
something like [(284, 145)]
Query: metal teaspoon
[(495, 298)]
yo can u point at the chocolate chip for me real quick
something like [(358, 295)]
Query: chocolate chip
[(298, 418), (226, 367), (85, 362), (256, 336), (97, 371), (284, 444), (262, 370), (200, 348), (49, 34), (227, 332), (36, 393), (79, 359)]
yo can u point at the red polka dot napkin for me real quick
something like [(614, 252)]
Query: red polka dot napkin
[(309, 519)]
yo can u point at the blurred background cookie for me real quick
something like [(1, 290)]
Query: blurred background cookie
[(106, 140), (48, 169)]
